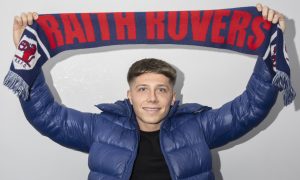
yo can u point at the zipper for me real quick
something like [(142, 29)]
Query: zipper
[(130, 167), (172, 174), (137, 133)]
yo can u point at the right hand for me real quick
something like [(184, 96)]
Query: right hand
[(272, 16), (20, 22)]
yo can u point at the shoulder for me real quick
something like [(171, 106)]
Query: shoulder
[(118, 113), (184, 114), (191, 108), (121, 108)]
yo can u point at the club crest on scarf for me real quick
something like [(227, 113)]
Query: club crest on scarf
[(26, 55), (274, 55)]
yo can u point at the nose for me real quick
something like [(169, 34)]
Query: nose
[(152, 97)]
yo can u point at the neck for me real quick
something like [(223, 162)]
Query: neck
[(149, 127)]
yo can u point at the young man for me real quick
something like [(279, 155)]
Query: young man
[(149, 135)]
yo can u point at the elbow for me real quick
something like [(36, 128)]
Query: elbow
[(261, 94)]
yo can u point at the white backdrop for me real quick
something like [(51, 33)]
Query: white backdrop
[(206, 76)]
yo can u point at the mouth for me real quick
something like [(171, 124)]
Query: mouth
[(151, 109)]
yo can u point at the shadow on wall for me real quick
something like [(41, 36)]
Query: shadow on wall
[(295, 71), (294, 59)]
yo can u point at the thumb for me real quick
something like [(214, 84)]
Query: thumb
[(18, 29), (281, 22)]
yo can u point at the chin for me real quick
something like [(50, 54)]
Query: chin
[(152, 120)]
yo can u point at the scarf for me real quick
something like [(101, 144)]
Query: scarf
[(239, 29)]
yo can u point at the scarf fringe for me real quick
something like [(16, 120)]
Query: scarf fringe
[(282, 81), (15, 82), (289, 95)]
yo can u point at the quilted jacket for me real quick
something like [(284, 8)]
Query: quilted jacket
[(187, 134)]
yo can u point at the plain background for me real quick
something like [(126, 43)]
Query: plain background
[(82, 79)]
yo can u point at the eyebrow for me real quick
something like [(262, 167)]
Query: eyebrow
[(145, 85)]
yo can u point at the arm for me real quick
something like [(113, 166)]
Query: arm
[(239, 116), (68, 127), (246, 111)]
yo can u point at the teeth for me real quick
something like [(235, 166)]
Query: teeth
[(151, 109)]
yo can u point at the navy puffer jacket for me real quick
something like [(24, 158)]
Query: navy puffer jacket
[(187, 134)]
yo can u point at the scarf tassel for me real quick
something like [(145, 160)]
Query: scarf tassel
[(14, 82), (282, 81)]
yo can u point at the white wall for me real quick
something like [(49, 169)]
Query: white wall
[(271, 151)]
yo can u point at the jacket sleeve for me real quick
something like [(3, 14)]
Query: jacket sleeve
[(237, 117), (66, 126)]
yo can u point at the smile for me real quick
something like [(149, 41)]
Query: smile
[(151, 109)]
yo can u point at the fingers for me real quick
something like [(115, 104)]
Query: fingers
[(265, 11), (259, 7), (26, 18), (35, 15), (282, 22), (275, 18), (271, 15), (19, 24), (29, 18), (18, 21)]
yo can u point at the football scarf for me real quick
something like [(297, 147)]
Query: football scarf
[(238, 29)]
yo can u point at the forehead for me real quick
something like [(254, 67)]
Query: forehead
[(151, 79)]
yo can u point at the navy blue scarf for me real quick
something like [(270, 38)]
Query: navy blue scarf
[(239, 29)]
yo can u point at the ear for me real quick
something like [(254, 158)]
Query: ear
[(129, 95), (173, 98)]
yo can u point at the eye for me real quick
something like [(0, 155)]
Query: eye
[(141, 89), (162, 90)]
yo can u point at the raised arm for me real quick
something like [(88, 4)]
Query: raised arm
[(237, 117), (246, 111), (65, 126)]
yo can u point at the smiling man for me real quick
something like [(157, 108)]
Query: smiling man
[(151, 92), (149, 136)]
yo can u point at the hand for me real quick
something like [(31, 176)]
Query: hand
[(272, 15), (20, 22)]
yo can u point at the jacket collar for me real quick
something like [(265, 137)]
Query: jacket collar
[(125, 109), (188, 108), (122, 108)]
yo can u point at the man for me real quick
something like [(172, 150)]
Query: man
[(149, 135)]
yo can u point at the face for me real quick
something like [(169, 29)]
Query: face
[(151, 95)]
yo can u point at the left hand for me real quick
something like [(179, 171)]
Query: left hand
[(19, 24), (272, 15)]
